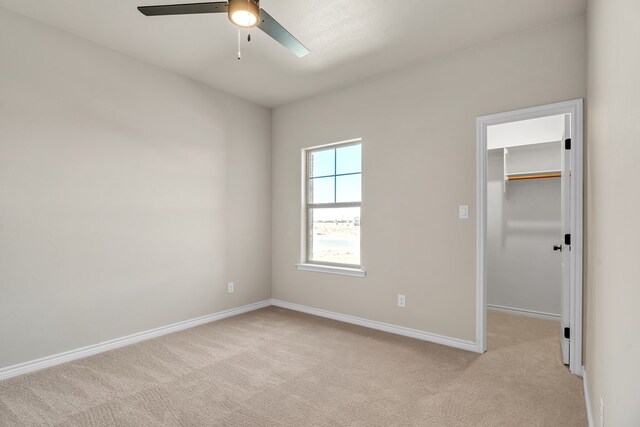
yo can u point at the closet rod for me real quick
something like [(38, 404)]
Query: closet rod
[(521, 177)]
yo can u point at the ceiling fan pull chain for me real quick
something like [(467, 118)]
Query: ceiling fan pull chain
[(248, 28), (239, 53)]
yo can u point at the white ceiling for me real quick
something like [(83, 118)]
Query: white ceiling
[(349, 39)]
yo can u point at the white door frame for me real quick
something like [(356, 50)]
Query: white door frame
[(574, 108)]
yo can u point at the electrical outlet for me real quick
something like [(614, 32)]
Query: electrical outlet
[(402, 301), (231, 287)]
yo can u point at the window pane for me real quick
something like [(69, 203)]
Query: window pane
[(348, 188), (334, 235), (349, 159), (322, 190), (322, 163)]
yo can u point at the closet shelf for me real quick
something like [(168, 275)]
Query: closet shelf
[(517, 176)]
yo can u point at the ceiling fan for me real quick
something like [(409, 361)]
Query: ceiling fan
[(242, 13)]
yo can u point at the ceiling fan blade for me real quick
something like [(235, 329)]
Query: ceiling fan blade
[(185, 9), (279, 34)]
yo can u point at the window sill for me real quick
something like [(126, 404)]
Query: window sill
[(355, 272)]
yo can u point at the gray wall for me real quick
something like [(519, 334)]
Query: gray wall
[(523, 271), (129, 196), (613, 213), (419, 157)]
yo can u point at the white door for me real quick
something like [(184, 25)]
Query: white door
[(565, 244)]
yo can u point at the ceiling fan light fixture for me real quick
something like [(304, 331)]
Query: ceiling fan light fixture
[(241, 13), (244, 13)]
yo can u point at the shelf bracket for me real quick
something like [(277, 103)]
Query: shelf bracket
[(505, 152)]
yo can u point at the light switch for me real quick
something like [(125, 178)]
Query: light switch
[(463, 211)]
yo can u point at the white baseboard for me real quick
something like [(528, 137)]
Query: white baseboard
[(587, 397), (56, 359), (394, 329), (524, 312)]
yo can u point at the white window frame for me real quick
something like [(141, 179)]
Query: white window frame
[(305, 255)]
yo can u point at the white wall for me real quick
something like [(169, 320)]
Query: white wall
[(613, 212), (129, 196), (524, 132), (523, 271), (418, 130)]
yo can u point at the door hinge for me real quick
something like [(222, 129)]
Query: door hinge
[(567, 144), (567, 333), (567, 239)]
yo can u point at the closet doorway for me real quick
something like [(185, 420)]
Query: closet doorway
[(529, 221)]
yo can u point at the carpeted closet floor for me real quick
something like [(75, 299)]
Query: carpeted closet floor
[(278, 367)]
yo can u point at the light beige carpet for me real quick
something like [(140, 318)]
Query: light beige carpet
[(278, 367)]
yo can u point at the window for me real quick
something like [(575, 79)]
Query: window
[(333, 199)]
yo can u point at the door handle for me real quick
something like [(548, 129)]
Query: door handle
[(557, 248)]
